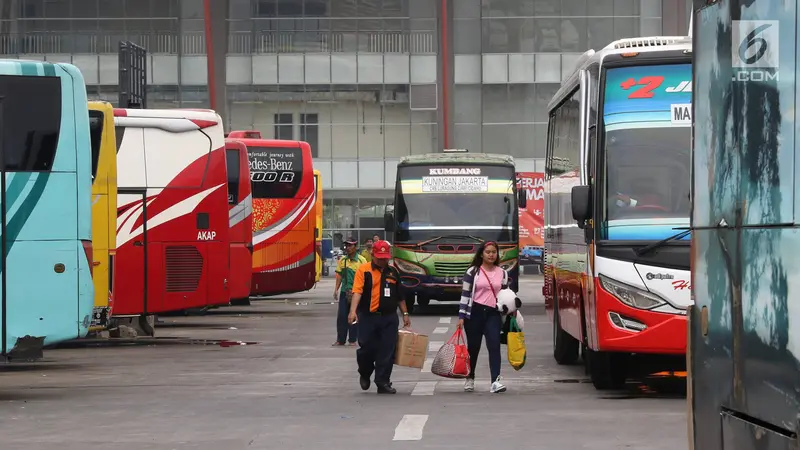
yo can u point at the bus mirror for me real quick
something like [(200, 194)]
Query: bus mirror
[(581, 203), (388, 222), (522, 200)]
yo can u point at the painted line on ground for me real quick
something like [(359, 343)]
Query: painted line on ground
[(434, 346), (445, 319), (410, 427), (426, 366), (440, 330), (424, 388)]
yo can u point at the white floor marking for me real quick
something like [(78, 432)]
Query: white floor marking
[(426, 366), (445, 319), (440, 330), (424, 388), (410, 427), (434, 346)]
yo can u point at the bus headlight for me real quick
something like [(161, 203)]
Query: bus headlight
[(508, 265), (631, 296), (409, 267)]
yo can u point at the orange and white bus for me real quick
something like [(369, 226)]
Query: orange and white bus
[(318, 225), (282, 180)]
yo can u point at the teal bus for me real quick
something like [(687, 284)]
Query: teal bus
[(46, 289), (744, 350), (445, 205)]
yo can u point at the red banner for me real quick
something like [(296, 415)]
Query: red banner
[(531, 218)]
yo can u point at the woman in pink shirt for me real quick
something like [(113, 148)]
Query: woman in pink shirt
[(478, 313)]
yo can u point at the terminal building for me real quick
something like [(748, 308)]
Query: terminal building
[(365, 82)]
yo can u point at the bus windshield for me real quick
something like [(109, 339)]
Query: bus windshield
[(456, 207), (646, 150), (647, 173)]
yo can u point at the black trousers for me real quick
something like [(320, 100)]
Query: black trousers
[(377, 340), (484, 322)]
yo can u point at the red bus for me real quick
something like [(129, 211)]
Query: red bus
[(240, 216), (172, 212), (282, 178)]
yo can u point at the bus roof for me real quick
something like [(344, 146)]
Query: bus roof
[(455, 158), (190, 114), (618, 47), (270, 142)]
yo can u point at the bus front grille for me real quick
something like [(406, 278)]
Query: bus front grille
[(184, 268), (451, 268)]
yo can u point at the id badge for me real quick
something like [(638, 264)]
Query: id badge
[(387, 292)]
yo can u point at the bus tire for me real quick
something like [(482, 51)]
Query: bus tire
[(606, 370), (565, 347), (423, 302)]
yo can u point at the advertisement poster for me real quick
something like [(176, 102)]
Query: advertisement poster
[(531, 218)]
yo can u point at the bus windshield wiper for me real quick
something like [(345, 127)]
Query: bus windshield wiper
[(647, 249), (451, 236)]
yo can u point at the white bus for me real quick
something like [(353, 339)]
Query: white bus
[(618, 162)]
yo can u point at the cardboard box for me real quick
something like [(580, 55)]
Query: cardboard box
[(412, 348)]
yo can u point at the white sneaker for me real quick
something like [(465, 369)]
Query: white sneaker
[(497, 387), (469, 385)]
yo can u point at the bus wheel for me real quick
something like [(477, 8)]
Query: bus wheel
[(423, 302), (565, 347), (607, 370)]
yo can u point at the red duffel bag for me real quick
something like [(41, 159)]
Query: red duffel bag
[(452, 360)]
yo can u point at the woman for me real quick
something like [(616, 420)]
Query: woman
[(478, 313)]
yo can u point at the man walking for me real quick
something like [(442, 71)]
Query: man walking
[(367, 252), (343, 293), (376, 297)]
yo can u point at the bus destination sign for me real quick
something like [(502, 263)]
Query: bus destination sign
[(455, 184)]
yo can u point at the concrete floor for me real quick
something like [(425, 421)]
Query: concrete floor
[(292, 389)]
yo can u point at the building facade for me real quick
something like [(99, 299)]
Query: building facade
[(365, 82)]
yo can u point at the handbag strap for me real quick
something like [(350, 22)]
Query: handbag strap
[(457, 337), (491, 286)]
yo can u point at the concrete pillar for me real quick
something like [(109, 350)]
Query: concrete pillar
[(675, 18), (216, 21)]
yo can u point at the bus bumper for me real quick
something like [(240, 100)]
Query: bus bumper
[(438, 288), (658, 333)]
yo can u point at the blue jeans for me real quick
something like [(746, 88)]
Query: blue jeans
[(342, 327), (484, 322)]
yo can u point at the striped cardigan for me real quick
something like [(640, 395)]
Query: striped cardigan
[(468, 288)]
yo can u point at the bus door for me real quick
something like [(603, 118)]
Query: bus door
[(131, 268)]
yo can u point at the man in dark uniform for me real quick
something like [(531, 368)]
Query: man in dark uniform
[(378, 284)]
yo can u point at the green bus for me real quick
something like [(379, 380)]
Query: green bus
[(445, 205)]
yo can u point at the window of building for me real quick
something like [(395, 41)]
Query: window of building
[(309, 132), (284, 126), (30, 121)]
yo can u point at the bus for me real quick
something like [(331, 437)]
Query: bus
[(172, 213), (743, 389), (46, 293), (282, 182), (104, 210), (318, 224), (617, 175), (240, 216), (445, 206)]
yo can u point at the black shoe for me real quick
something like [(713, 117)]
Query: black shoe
[(364, 382), (386, 388)]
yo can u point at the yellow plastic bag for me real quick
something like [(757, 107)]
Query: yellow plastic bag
[(516, 345)]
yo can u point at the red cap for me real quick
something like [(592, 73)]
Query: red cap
[(381, 249)]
